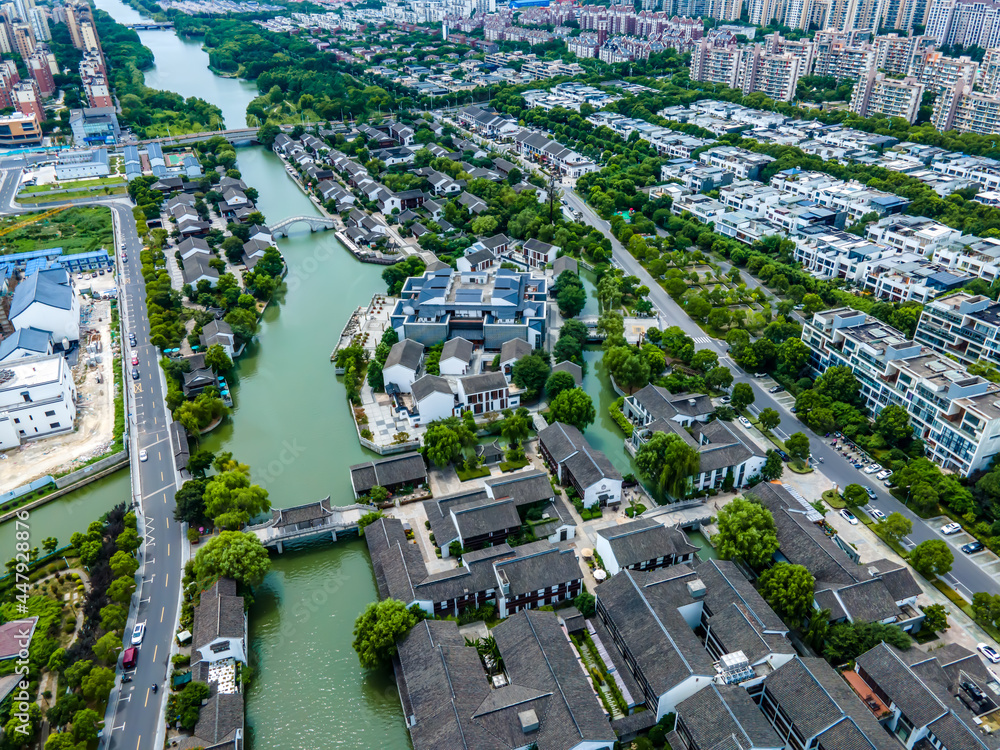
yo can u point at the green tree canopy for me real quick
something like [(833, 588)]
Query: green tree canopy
[(530, 373), (932, 557), (378, 629), (231, 500), (846, 641), (573, 407), (558, 382), (746, 532), (669, 462), (789, 591), (233, 554), (742, 396)]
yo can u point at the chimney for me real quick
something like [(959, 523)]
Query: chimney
[(529, 721), (696, 588)]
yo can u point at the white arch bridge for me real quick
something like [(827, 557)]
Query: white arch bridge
[(316, 224)]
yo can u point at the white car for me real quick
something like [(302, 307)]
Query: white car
[(849, 517), (745, 422), (138, 632), (951, 528), (876, 514), (884, 474), (988, 653), (143, 455), (871, 469)]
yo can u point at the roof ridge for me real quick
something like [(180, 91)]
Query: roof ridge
[(552, 672)]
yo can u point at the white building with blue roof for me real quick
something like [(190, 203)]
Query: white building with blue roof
[(46, 301), (25, 342)]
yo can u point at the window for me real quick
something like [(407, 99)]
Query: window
[(50, 413), (218, 648), (53, 425)]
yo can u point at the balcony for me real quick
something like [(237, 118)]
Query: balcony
[(866, 694)]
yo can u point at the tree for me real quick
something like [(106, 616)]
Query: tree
[(186, 705), (573, 407), (746, 532), (935, 618), (484, 224), (189, 502), (893, 424), (217, 359), (719, 378), (839, 384), (628, 367), (60, 741), (113, 617), (97, 684), (669, 462), (107, 647), (231, 501), (121, 589), (123, 564), (769, 418), (377, 630), (530, 373), (442, 444), (516, 426), (773, 467), (128, 540), (742, 396), (789, 591), (50, 543), (396, 275), (704, 360), (854, 495), (558, 382), (797, 446), (76, 671), (233, 554), (586, 603), (932, 558), (846, 641), (571, 300), (894, 526), (199, 462), (793, 355)]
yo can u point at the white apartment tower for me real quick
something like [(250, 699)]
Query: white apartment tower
[(877, 94)]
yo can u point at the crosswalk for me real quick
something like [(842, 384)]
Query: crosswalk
[(703, 340)]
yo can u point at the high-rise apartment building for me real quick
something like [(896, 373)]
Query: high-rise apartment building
[(844, 56), (74, 16), (799, 14), (719, 59), (851, 15), (40, 25), (24, 40), (877, 94), (28, 99), (964, 23), (953, 412), (41, 71), (895, 54), (988, 79), (939, 72), (89, 35), (961, 109)]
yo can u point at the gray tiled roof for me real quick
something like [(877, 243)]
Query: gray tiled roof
[(572, 368), (661, 403), (893, 677), (385, 472), (539, 565), (438, 513), (867, 601), (459, 348), (486, 518), (219, 614), (514, 349), (537, 654), (565, 263), (644, 539), (218, 720), (954, 733), (525, 487), (723, 712), (428, 384), (897, 578), (406, 353), (42, 287), (487, 381), (477, 257)]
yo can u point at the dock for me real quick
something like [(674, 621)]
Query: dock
[(309, 521)]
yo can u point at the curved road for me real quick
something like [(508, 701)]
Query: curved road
[(966, 576)]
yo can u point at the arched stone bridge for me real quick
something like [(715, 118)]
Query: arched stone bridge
[(316, 224)]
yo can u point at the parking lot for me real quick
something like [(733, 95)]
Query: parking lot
[(985, 559)]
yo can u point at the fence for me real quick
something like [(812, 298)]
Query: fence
[(112, 461), (24, 489)]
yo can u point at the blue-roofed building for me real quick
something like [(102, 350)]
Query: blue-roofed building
[(46, 301), (157, 163), (82, 163), (25, 342), (485, 307), (191, 166), (133, 164)]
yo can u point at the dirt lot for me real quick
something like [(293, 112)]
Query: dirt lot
[(95, 409)]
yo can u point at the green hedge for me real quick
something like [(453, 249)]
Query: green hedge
[(615, 410)]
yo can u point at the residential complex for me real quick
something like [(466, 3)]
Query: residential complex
[(954, 413)]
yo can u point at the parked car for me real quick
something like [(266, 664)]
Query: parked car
[(775, 389), (745, 422), (794, 410), (951, 528), (884, 474), (871, 493), (872, 468), (972, 547), (135, 358), (131, 339), (725, 399), (129, 657), (760, 374), (876, 514), (124, 258), (138, 632), (135, 373), (143, 455), (849, 517), (889, 483), (784, 456), (988, 652)]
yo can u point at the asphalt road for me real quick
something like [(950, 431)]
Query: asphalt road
[(134, 711), (966, 576)]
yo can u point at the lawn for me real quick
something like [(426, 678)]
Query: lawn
[(465, 475), (75, 230), (75, 195), (72, 184), (506, 466)]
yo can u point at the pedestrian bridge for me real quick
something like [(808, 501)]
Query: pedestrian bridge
[(309, 521), (316, 224)]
